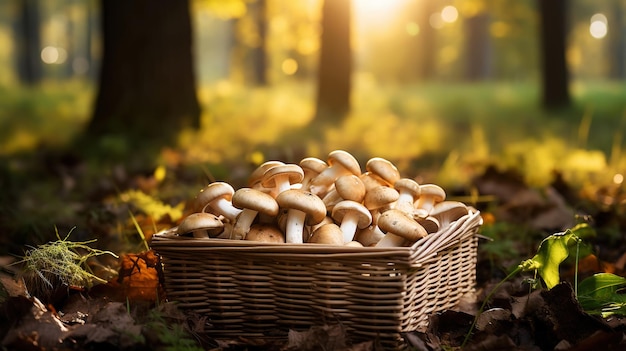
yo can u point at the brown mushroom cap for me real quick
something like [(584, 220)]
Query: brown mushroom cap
[(339, 163), (198, 222), (256, 200), (380, 196), (430, 193), (384, 169), (346, 160), (408, 186), (214, 191), (265, 233), (430, 223), (398, 223), (345, 207), (350, 187), (254, 180), (291, 173), (327, 234), (311, 166), (449, 211), (303, 201)]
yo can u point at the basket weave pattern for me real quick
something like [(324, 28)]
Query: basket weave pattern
[(254, 289)]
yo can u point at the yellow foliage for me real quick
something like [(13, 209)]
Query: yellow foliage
[(151, 206)]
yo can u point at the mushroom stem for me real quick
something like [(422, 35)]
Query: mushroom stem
[(348, 226), (225, 208), (295, 226), (243, 223), (391, 240)]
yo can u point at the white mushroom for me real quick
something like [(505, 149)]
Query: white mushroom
[(251, 202), (400, 228), (312, 166), (339, 163), (384, 169), (409, 191), (280, 178), (430, 194), (351, 215), (217, 196), (265, 233), (302, 208), (200, 225), (329, 234)]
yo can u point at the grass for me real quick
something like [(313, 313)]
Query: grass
[(59, 264)]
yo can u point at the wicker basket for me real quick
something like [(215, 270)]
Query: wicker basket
[(253, 289)]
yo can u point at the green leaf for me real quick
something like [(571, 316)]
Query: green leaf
[(600, 294), (552, 251)]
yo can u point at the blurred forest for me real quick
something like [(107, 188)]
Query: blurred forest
[(442, 88)]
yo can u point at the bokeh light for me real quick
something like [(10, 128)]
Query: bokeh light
[(289, 66), (53, 55), (598, 27), (618, 178), (412, 29), (449, 14)]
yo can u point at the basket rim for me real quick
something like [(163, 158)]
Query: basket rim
[(421, 251)]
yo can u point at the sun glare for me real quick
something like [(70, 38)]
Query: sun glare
[(380, 11)]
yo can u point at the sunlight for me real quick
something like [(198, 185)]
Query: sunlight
[(618, 179), (377, 11)]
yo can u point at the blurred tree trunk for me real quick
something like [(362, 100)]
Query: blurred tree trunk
[(147, 85), (426, 38), (29, 66), (477, 47), (553, 32), (259, 53), (335, 64), (617, 47)]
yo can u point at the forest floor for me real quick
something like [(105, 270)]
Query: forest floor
[(505, 167), (128, 312)]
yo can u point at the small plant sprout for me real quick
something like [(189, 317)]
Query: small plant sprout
[(552, 251), (59, 263)]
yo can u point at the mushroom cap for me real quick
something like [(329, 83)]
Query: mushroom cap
[(345, 159), (266, 233), (304, 201), (408, 185), (400, 224), (347, 206), (380, 196), (452, 210), (327, 234), (384, 169), (353, 243), (200, 221), (255, 177), (430, 223), (214, 191), (434, 191), (255, 200), (295, 173), (350, 187), (313, 165)]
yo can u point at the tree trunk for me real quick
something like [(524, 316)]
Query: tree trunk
[(427, 37), (617, 47), (28, 43), (555, 78), (147, 85), (335, 65), (259, 53), (477, 48)]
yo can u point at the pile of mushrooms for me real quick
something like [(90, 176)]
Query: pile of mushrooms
[(323, 202)]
